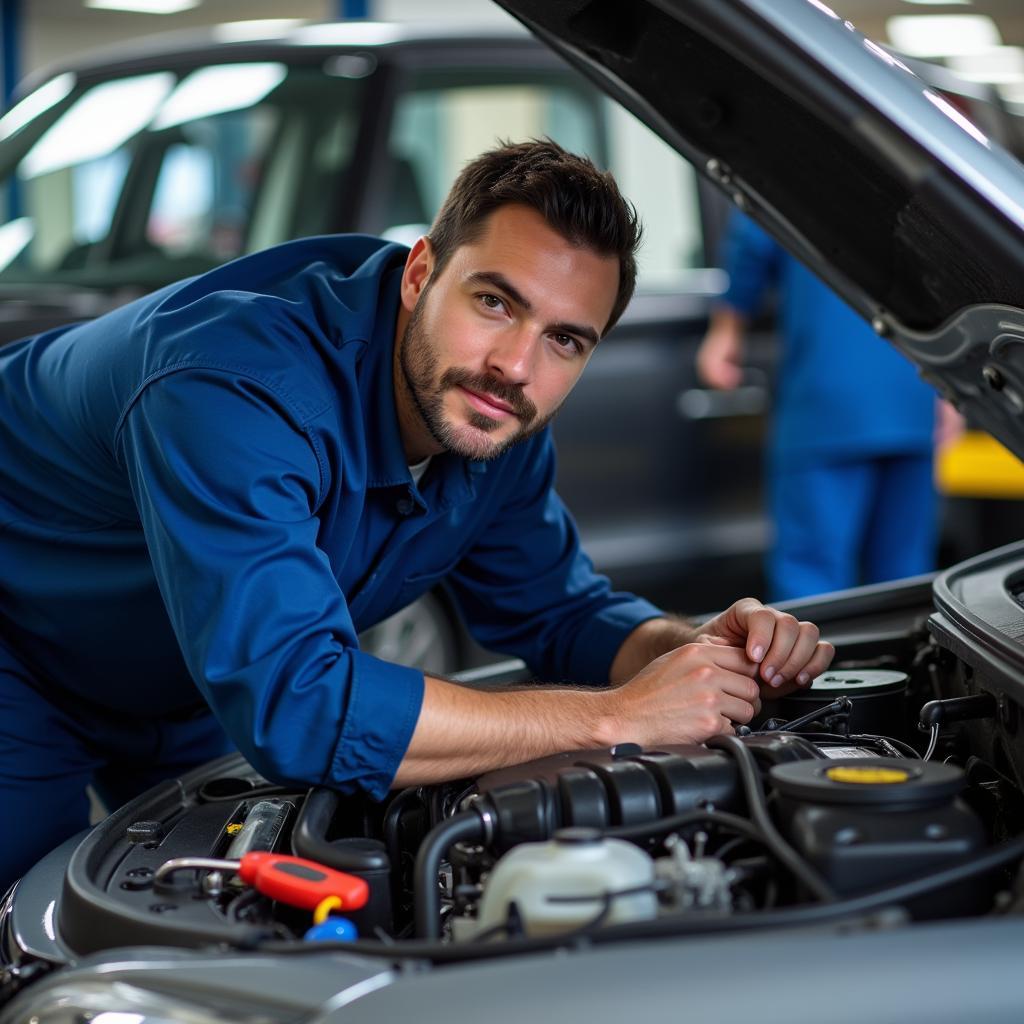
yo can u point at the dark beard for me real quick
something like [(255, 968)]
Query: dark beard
[(419, 371)]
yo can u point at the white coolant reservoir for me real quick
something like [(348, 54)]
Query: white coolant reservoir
[(566, 882)]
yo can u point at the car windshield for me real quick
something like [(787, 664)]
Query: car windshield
[(143, 179)]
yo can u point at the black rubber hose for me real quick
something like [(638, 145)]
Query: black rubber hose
[(309, 837), (392, 819), (757, 808), (439, 840)]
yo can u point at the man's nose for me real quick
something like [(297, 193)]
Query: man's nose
[(511, 356)]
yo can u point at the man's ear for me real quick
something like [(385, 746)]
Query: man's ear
[(419, 265)]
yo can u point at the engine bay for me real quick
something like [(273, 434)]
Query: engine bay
[(887, 794)]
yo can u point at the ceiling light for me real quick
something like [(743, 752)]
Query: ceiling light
[(217, 90), (1000, 65), (101, 121), (942, 35), (940, 3), (36, 103), (261, 28), (144, 6)]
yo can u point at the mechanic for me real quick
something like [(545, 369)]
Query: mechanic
[(849, 459), (207, 493)]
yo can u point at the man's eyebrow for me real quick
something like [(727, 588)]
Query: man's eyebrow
[(502, 283)]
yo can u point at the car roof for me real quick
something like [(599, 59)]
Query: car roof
[(251, 41)]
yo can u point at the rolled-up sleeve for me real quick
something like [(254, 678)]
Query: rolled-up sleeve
[(227, 482), (527, 588)]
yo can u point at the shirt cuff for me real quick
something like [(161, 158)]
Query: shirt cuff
[(383, 708), (598, 642)]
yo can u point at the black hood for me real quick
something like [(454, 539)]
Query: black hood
[(863, 172)]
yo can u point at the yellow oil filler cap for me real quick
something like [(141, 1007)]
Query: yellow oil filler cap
[(867, 776)]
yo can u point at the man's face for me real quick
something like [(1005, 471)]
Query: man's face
[(493, 344)]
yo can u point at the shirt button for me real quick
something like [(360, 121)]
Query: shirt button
[(404, 506)]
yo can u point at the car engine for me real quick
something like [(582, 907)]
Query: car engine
[(886, 793), (833, 808)]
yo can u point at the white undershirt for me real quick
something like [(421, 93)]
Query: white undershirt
[(418, 470)]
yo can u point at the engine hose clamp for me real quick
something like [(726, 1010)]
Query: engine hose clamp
[(486, 815)]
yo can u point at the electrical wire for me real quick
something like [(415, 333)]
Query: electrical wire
[(933, 741)]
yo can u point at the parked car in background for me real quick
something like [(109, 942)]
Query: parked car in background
[(131, 169)]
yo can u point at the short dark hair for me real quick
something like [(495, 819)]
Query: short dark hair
[(581, 203)]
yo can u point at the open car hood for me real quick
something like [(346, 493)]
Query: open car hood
[(843, 154)]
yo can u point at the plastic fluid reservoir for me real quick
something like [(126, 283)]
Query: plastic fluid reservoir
[(567, 882)]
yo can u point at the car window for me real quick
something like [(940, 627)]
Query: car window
[(149, 178), (440, 125)]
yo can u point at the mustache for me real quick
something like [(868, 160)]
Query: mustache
[(511, 394)]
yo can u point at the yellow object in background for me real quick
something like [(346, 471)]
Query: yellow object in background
[(976, 465)]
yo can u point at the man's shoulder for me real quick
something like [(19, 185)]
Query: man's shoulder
[(293, 305)]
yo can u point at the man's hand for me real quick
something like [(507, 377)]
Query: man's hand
[(720, 356), (788, 652), (685, 696), (672, 683)]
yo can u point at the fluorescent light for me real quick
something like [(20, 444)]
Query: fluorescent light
[(101, 121), (144, 6), (35, 103), (942, 35), (218, 89), (940, 3), (261, 28), (14, 236), (1001, 65), (351, 33)]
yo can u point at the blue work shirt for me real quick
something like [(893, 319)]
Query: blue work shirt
[(207, 489), (841, 390)]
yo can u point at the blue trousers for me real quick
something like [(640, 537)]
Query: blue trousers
[(841, 523), (51, 748)]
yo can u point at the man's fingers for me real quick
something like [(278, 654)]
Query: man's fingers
[(759, 623), (803, 650), (784, 638), (736, 685), (820, 660), (736, 709)]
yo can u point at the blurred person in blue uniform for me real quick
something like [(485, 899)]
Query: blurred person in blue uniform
[(206, 495), (849, 458)]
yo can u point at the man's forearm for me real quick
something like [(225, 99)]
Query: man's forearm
[(462, 731), (650, 640)]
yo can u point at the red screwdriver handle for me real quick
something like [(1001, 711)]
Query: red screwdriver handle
[(301, 883)]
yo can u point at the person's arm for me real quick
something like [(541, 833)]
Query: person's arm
[(685, 696), (680, 683), (227, 483)]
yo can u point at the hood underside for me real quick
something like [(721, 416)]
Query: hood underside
[(859, 169)]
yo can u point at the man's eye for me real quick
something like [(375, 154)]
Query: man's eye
[(567, 342), (491, 301)]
